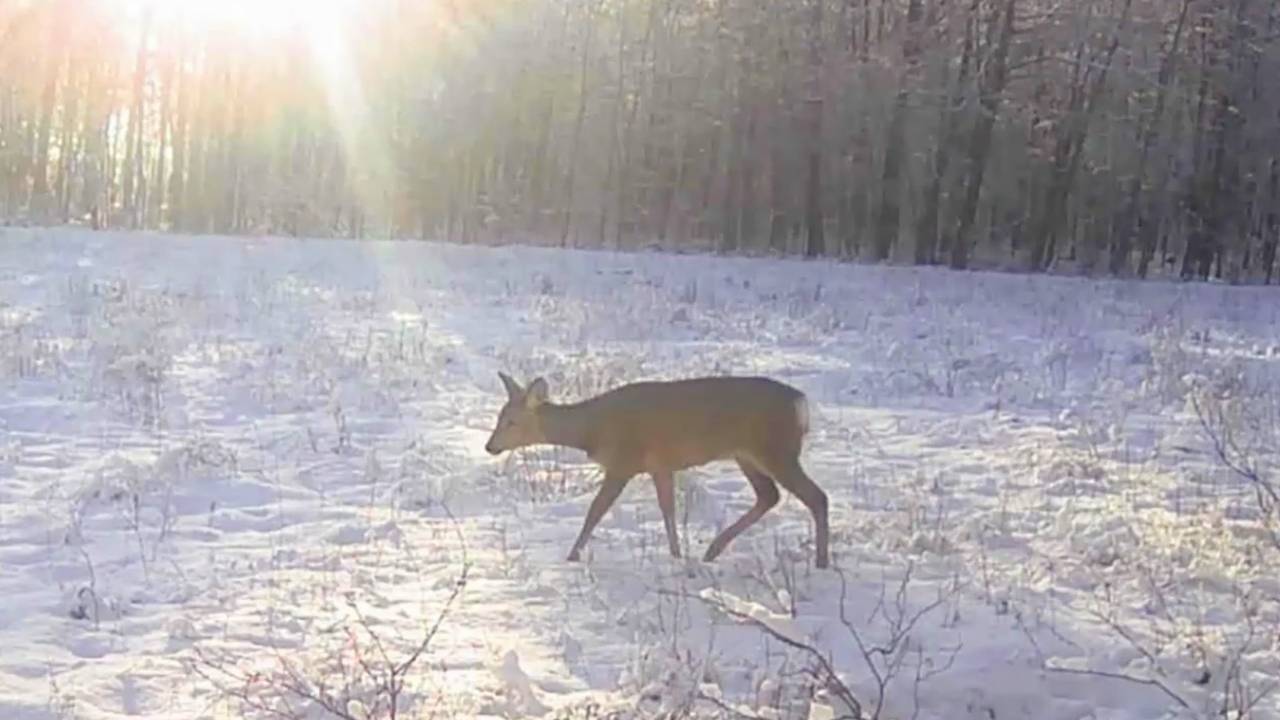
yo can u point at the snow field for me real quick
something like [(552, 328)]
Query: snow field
[(244, 477)]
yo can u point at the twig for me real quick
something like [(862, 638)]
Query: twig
[(725, 707), (828, 678), (1121, 676), (264, 692), (900, 627), (1224, 445)]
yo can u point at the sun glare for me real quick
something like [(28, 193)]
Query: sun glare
[(328, 30), (256, 19)]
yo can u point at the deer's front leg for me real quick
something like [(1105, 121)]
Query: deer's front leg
[(609, 492)]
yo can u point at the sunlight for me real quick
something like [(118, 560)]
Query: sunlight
[(349, 110), (326, 28), (258, 19)]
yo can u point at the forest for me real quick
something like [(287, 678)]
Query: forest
[(1099, 137)]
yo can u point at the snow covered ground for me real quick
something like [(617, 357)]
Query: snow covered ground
[(236, 473)]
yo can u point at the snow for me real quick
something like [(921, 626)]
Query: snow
[(229, 467)]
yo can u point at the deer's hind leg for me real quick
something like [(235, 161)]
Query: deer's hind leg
[(766, 497), (785, 468), (664, 482)]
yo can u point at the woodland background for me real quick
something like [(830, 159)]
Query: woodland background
[(1122, 137)]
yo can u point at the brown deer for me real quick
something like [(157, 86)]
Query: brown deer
[(661, 428)]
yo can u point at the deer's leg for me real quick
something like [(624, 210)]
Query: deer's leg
[(766, 497), (610, 489), (664, 483), (787, 471)]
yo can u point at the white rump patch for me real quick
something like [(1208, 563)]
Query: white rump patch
[(802, 414)]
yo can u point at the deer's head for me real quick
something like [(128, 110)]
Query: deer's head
[(518, 424)]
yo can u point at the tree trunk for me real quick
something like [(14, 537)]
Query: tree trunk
[(164, 136), (177, 174), (575, 142), (1123, 229), (67, 150), (40, 202), (1215, 198), (994, 77), (613, 160), (746, 196), (622, 201), (815, 243), (1271, 225), (729, 135), (232, 207), (1085, 93), (730, 207), (890, 213), (927, 224), (133, 172), (780, 178), (540, 177), (782, 174)]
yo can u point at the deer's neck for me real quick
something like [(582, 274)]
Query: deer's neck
[(568, 425)]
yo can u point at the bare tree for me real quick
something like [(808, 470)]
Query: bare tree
[(961, 127), (815, 241), (991, 87)]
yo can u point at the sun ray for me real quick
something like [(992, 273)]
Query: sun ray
[(351, 114)]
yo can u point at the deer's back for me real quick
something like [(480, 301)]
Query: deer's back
[(678, 424)]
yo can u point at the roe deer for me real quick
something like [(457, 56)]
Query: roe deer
[(660, 428)]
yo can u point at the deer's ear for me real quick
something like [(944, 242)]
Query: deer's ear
[(537, 393), (513, 388)]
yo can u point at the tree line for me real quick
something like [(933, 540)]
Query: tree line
[(1121, 137)]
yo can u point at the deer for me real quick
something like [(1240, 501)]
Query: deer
[(660, 428)]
